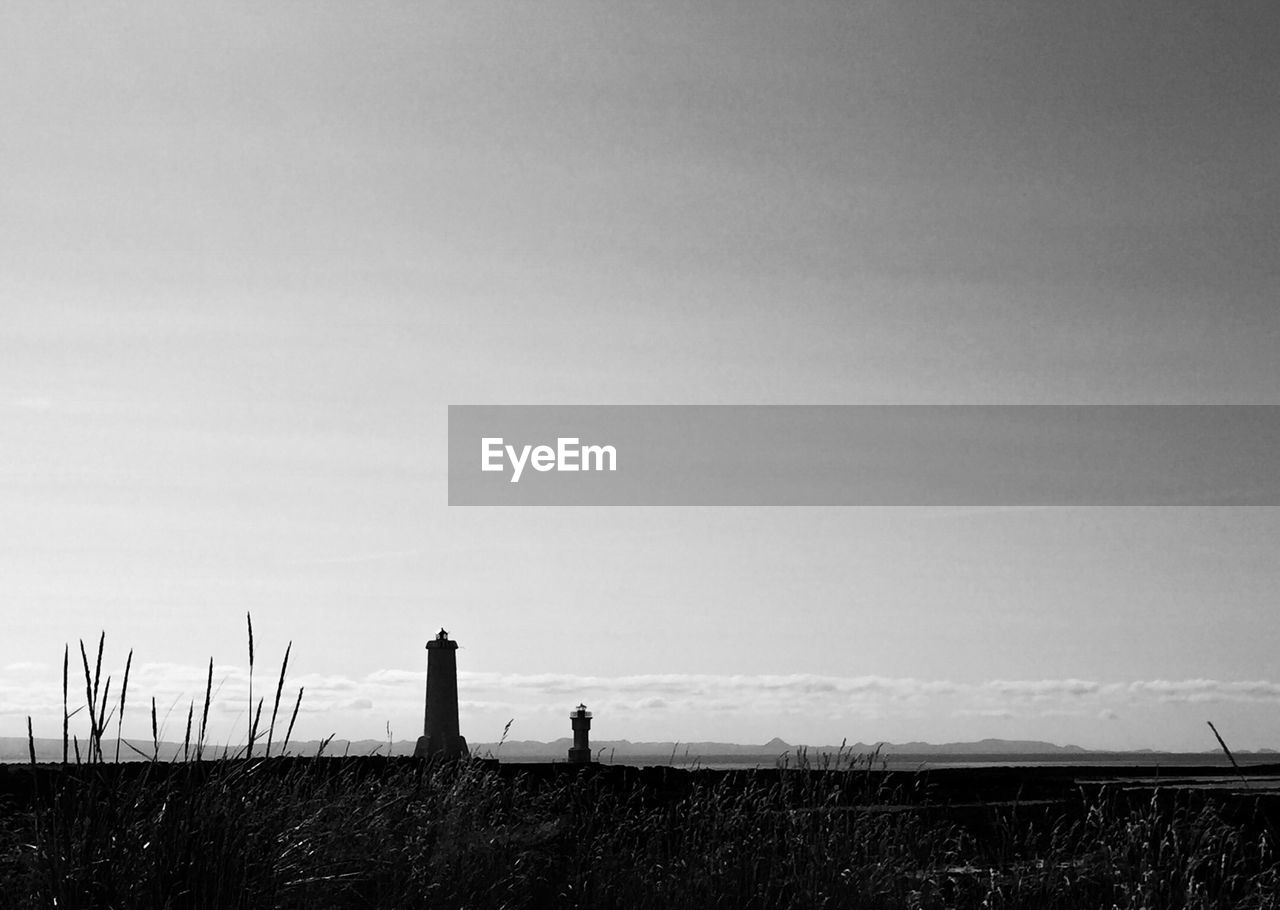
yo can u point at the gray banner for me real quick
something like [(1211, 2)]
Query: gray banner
[(891, 455)]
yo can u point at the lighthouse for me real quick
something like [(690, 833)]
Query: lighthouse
[(580, 754), (440, 734)]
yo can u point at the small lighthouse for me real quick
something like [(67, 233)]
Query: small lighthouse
[(440, 734), (580, 754)]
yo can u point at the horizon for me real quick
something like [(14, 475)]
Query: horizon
[(230, 692), (254, 254), (136, 749)]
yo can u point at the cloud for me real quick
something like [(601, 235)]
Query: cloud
[(169, 682), (1206, 690), (735, 699), (710, 686), (26, 666), (1043, 688)]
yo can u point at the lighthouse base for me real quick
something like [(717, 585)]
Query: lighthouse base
[(446, 747), (580, 756)]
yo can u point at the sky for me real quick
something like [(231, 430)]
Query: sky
[(251, 253)]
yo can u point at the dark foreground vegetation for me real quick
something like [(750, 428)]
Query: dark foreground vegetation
[(376, 832), (248, 830)]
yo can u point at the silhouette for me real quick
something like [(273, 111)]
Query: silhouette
[(440, 734), (580, 754)]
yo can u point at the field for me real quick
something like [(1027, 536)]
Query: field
[(378, 832), (256, 830)]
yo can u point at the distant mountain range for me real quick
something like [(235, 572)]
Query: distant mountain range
[(15, 748), (624, 748)]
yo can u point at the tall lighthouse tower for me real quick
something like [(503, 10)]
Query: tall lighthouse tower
[(440, 734), (580, 754)]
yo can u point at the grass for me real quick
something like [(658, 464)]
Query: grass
[(247, 830)]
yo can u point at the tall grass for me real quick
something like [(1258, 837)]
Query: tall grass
[(819, 831), (100, 711), (306, 832)]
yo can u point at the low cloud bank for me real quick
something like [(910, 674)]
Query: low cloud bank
[(637, 702)]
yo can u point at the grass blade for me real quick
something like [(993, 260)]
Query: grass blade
[(275, 707), (252, 725), (103, 717), (66, 718), (88, 698), (124, 688), (1231, 758), (186, 737), (289, 732), (204, 717), (253, 729), (97, 678)]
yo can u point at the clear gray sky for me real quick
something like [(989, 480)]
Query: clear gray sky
[(249, 253)]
